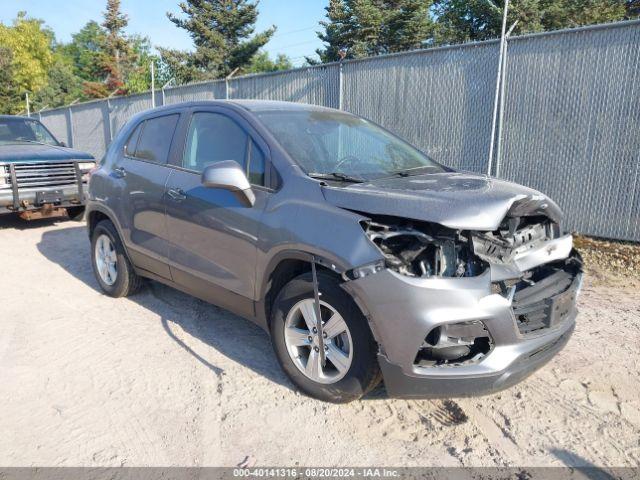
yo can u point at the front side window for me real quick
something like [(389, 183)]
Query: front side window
[(22, 130), (155, 138), (327, 142), (212, 138)]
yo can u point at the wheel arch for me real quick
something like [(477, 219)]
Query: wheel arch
[(284, 267), (95, 214)]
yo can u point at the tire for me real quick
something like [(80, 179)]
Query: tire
[(126, 282), (363, 372), (76, 213)]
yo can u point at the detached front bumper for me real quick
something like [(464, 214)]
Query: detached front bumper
[(403, 310)]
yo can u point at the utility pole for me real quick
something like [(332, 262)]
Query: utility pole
[(26, 96), (498, 81)]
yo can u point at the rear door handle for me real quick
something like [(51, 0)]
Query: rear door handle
[(120, 172), (177, 194)]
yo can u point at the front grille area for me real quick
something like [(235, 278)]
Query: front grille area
[(547, 295), (43, 174)]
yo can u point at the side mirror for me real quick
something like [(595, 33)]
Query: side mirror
[(229, 175), (62, 144)]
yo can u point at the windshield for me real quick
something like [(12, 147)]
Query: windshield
[(23, 130), (329, 143)]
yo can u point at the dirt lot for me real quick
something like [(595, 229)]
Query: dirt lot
[(164, 379)]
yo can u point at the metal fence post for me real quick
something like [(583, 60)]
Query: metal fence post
[(70, 127), (106, 120), (498, 82), (503, 84), (340, 81), (226, 82), (153, 86), (109, 120)]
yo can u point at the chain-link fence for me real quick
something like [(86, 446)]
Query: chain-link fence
[(571, 124)]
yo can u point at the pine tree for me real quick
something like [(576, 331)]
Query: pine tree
[(223, 34), (361, 28), (337, 31), (117, 52), (474, 20)]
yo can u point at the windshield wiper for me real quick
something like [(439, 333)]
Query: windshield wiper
[(408, 172), (343, 177)]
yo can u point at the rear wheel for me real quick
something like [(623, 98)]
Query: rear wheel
[(349, 368), (112, 268)]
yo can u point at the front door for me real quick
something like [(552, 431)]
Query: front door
[(213, 235)]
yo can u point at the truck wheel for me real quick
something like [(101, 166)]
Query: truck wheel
[(76, 213), (112, 268), (351, 368)]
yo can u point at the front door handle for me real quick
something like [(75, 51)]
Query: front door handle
[(120, 172), (177, 194)]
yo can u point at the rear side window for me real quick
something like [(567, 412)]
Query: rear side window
[(155, 138), (212, 138)]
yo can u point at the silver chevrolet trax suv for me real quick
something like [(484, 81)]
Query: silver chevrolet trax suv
[(362, 257)]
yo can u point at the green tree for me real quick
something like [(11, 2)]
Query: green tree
[(261, 62), (223, 34), (473, 20), (86, 52), (30, 45), (361, 28), (63, 86), (10, 101), (138, 78)]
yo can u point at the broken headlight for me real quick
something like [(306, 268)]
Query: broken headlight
[(424, 250)]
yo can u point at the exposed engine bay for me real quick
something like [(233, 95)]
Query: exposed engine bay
[(420, 249)]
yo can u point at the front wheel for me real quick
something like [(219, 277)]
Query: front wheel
[(112, 268), (349, 367)]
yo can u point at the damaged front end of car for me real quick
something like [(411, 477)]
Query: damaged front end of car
[(474, 303)]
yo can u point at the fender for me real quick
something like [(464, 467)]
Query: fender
[(98, 207), (276, 259)]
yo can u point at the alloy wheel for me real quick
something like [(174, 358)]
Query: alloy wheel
[(303, 342), (106, 260)]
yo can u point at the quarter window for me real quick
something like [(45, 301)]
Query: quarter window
[(212, 138), (255, 172), (155, 138), (130, 147)]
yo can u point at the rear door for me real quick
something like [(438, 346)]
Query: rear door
[(143, 171), (213, 235)]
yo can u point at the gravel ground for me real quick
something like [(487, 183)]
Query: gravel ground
[(164, 379)]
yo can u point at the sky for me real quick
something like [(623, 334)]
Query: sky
[(297, 21)]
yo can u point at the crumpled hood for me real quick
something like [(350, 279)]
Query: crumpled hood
[(39, 152), (456, 200)]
